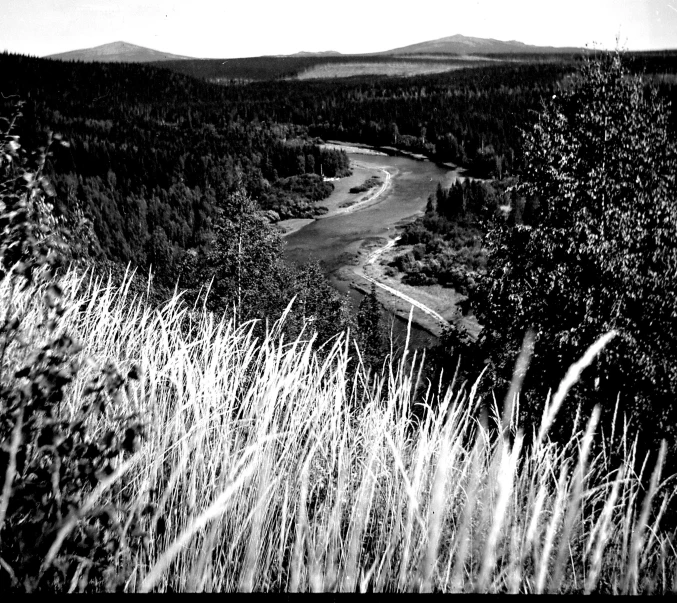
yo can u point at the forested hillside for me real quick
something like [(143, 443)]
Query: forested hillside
[(172, 446), (155, 169), (152, 155), (471, 116)]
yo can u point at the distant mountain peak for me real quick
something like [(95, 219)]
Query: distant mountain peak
[(460, 44), (324, 53), (117, 52)]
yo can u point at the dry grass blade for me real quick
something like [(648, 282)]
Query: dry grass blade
[(214, 511), (558, 509), (602, 531), (521, 367), (574, 502), (632, 575), (254, 540), (435, 516), (505, 484), (570, 379), (358, 523), (412, 512), (462, 539), (302, 528)]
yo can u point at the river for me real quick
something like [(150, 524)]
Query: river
[(339, 240)]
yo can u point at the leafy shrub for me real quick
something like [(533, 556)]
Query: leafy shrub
[(55, 533), (368, 184), (598, 255)]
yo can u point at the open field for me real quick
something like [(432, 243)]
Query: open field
[(398, 68), (268, 68), (272, 466), (355, 149)]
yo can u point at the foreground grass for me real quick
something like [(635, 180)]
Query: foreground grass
[(275, 467)]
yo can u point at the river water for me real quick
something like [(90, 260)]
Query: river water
[(336, 241)]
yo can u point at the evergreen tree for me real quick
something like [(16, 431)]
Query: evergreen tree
[(370, 332)]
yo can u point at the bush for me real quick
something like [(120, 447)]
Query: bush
[(366, 185), (599, 255), (55, 464)]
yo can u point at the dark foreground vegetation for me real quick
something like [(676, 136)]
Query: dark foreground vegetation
[(152, 440), (582, 242)]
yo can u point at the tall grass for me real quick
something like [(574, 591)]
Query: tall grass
[(275, 466)]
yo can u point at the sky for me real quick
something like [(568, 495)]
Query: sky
[(243, 28)]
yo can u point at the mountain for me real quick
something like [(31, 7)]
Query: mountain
[(324, 53), (116, 52), (459, 44)]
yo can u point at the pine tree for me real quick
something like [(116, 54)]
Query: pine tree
[(370, 332)]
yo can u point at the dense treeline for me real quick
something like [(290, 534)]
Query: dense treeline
[(152, 154), (469, 116), (448, 240)]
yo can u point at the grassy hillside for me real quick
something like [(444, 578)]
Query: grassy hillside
[(249, 69), (268, 466)]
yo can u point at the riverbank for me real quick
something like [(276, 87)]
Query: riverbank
[(358, 147), (435, 307), (342, 201), (344, 242)]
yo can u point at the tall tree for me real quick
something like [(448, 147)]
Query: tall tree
[(599, 253), (243, 262), (370, 331)]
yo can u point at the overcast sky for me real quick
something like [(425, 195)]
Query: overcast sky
[(241, 28)]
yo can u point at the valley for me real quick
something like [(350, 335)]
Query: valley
[(348, 241), (242, 298)]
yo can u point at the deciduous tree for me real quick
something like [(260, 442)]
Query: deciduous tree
[(600, 251)]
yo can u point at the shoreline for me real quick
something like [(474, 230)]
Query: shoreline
[(361, 148), (294, 224), (433, 309)]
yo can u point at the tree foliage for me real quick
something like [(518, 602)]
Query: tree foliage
[(242, 269), (370, 329), (53, 536), (600, 251)]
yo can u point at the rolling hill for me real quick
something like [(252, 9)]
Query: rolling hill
[(324, 53), (459, 44), (117, 52)]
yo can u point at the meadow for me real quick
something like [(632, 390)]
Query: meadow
[(390, 68), (276, 465)]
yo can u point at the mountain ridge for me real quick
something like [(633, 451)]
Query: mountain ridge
[(460, 44), (117, 52), (457, 44), (322, 53)]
